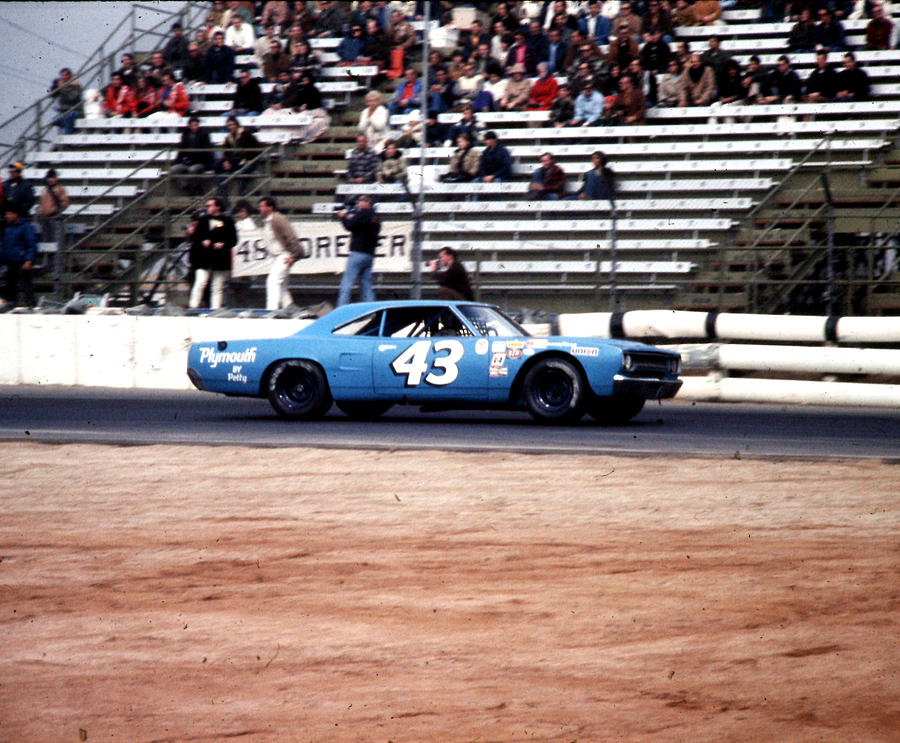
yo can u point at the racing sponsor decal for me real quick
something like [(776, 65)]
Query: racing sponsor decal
[(413, 363), (497, 368), (235, 374), (528, 351), (513, 353), (585, 351), (481, 346), (538, 343), (516, 344), (498, 347), (211, 356)]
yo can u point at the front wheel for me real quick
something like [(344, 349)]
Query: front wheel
[(615, 410), (298, 390), (554, 391)]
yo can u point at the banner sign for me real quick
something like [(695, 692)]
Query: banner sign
[(328, 244)]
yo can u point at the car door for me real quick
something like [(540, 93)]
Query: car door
[(428, 354)]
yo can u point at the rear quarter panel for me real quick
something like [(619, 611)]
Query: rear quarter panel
[(237, 367)]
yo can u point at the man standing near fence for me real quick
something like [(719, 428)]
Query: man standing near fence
[(364, 227), (286, 249)]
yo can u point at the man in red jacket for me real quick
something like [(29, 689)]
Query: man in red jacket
[(119, 100), (173, 97)]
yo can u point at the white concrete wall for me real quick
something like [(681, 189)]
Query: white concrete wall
[(116, 350)]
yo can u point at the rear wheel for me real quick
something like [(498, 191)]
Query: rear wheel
[(298, 390), (363, 410), (554, 391), (615, 410)]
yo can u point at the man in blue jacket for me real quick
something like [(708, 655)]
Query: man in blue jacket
[(17, 253), (496, 162), (219, 61), (364, 227), (17, 190)]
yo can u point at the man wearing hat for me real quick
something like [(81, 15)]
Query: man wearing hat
[(17, 252), (53, 202), (496, 162), (17, 190)]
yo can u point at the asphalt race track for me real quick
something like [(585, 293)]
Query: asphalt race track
[(134, 417)]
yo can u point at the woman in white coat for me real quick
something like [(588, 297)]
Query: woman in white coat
[(373, 121)]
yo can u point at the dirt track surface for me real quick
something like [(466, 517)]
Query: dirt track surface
[(208, 594)]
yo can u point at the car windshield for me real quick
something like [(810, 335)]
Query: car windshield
[(491, 321)]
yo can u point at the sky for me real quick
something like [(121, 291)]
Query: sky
[(40, 38)]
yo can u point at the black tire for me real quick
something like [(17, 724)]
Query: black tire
[(615, 410), (554, 391), (298, 390), (363, 410)]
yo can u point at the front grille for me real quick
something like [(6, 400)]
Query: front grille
[(650, 364)]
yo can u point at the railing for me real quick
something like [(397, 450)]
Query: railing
[(767, 294), (85, 277), (31, 127)]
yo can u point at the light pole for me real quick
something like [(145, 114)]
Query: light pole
[(419, 203)]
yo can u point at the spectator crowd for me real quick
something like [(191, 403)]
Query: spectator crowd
[(587, 63)]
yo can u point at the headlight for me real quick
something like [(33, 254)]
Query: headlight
[(627, 362), (673, 366)]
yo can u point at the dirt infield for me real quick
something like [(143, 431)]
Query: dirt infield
[(210, 594)]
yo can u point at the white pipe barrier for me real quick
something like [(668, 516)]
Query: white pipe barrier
[(716, 388), (731, 326), (671, 324), (789, 359)]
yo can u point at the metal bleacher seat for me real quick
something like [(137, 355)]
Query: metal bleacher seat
[(87, 175), (780, 29), (692, 226), (90, 192), (646, 188), (578, 267), (624, 206), (687, 131), (845, 111), (55, 157), (671, 149), (868, 59), (664, 245)]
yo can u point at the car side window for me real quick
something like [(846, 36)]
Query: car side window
[(368, 324), (423, 322)]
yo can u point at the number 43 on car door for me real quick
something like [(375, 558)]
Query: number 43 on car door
[(429, 369)]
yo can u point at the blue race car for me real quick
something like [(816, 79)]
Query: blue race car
[(440, 355)]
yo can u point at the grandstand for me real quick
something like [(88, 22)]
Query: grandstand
[(767, 208)]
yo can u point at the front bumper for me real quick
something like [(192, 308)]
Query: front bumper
[(649, 388)]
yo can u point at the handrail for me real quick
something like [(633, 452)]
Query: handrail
[(35, 131), (826, 139), (162, 184)]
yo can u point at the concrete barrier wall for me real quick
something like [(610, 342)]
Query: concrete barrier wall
[(116, 350)]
